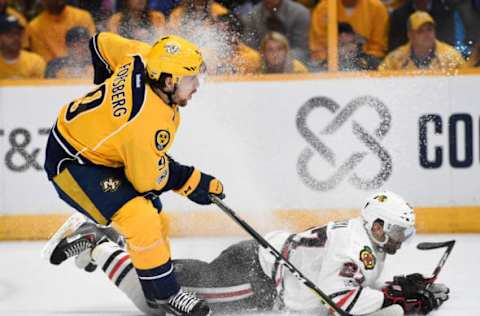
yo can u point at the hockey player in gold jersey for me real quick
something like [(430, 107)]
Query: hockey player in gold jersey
[(107, 155)]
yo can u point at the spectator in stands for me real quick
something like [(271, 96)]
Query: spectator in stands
[(351, 56), (77, 63), (276, 56), (423, 51), (369, 18), (5, 9), (16, 63), (100, 10), (136, 21), (236, 57), (195, 11), (283, 16), (441, 11), (48, 29)]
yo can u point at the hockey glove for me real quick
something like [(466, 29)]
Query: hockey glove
[(411, 284), (199, 186), (421, 302)]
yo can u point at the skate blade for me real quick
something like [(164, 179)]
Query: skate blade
[(70, 225)]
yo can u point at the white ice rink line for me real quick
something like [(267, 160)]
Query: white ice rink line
[(30, 286)]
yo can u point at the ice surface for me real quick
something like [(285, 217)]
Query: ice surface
[(30, 286)]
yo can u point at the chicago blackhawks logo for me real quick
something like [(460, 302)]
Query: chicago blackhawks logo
[(368, 258), (381, 198), (110, 184), (162, 138)]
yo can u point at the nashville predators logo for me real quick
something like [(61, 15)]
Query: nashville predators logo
[(172, 49), (110, 184), (162, 138), (368, 258), (381, 198)]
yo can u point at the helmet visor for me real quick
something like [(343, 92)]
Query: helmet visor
[(400, 234)]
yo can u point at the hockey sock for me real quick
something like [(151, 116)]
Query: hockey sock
[(116, 264), (158, 284)]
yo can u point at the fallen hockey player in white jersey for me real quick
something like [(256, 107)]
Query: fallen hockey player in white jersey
[(344, 259)]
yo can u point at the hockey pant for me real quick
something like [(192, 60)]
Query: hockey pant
[(234, 281), (106, 196)]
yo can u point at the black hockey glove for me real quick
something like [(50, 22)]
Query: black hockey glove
[(432, 297), (411, 284), (423, 301), (199, 186)]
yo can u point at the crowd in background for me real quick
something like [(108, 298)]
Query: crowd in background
[(50, 38)]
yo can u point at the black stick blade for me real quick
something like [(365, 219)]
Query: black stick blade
[(436, 245)]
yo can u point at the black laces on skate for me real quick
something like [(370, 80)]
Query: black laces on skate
[(184, 302), (77, 248)]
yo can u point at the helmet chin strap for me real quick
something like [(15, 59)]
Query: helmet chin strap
[(170, 94)]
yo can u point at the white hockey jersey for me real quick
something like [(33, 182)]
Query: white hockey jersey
[(338, 257)]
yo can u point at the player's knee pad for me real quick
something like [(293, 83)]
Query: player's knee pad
[(145, 233)]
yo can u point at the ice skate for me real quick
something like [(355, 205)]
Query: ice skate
[(76, 238), (187, 304)]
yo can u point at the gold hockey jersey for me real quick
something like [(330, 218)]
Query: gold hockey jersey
[(122, 122)]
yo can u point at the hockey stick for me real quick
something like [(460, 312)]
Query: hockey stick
[(437, 245), (324, 299)]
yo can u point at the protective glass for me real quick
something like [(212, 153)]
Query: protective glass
[(400, 234)]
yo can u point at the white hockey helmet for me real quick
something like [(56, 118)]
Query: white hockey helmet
[(398, 217)]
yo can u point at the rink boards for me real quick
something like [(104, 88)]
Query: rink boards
[(290, 153)]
